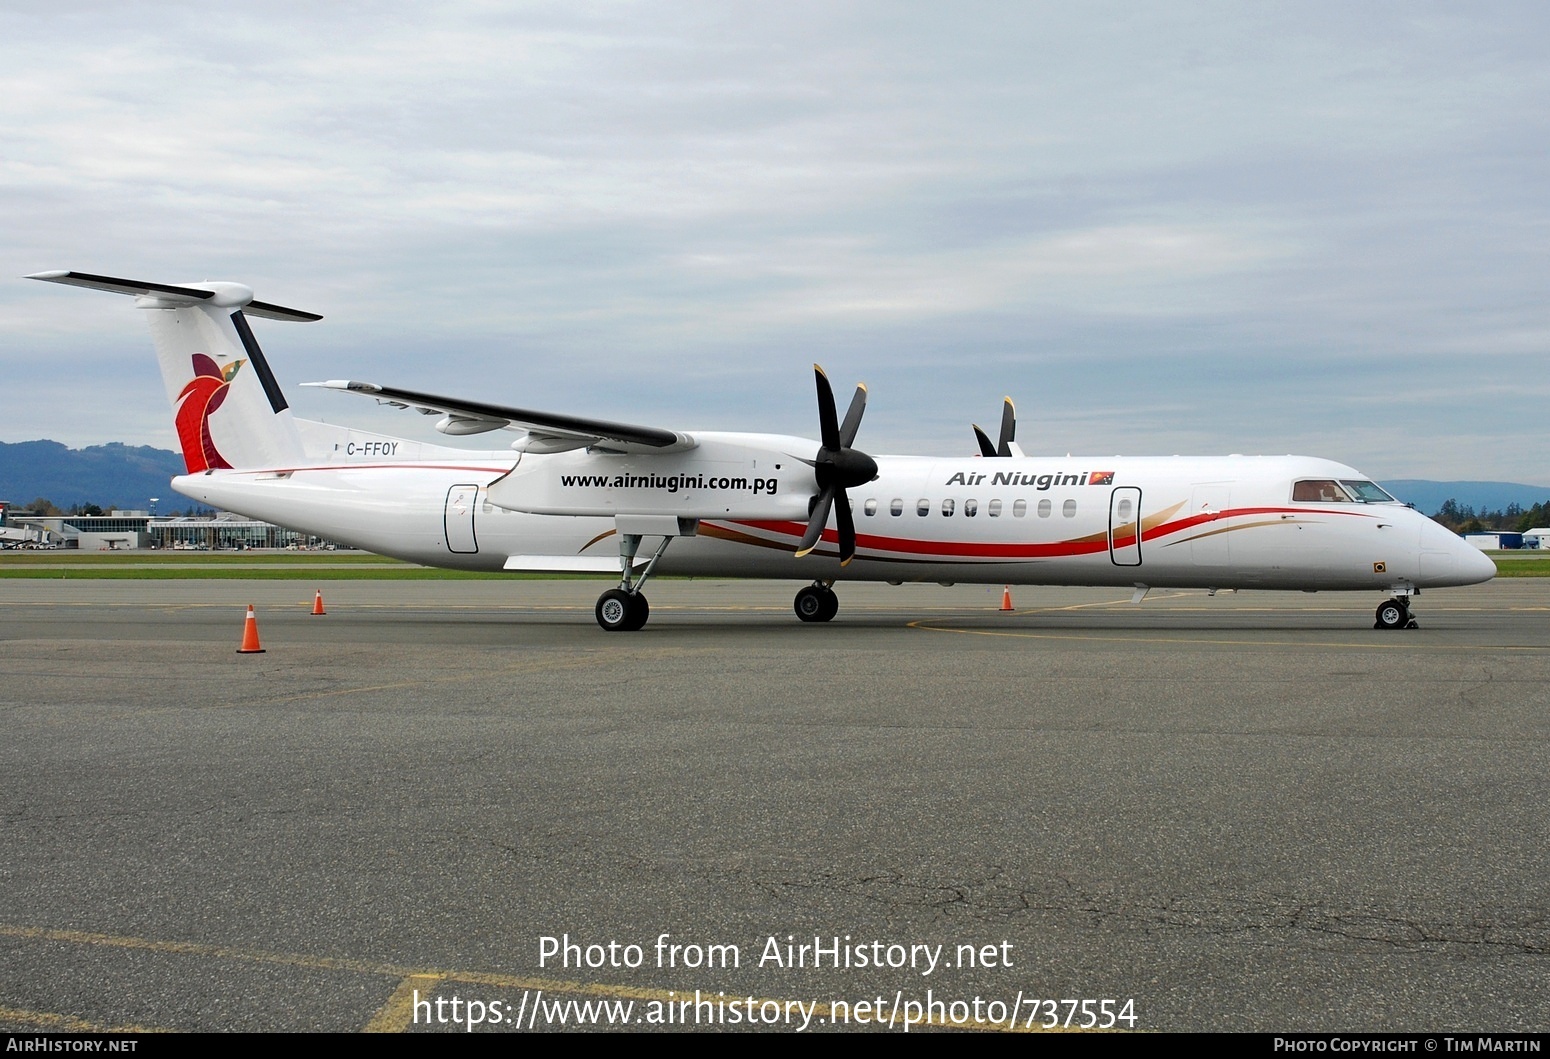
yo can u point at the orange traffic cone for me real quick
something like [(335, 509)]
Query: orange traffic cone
[(250, 636), (317, 604), (1006, 598)]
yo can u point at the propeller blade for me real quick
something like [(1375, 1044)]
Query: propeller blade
[(828, 423), (853, 417), (1008, 428), (836, 467), (847, 528), (816, 521), (986, 448)]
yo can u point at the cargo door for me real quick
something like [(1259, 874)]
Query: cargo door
[(462, 501)]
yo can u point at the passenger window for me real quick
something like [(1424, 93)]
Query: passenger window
[(1019, 508), (994, 510), (1124, 510), (970, 508), (871, 507), (1068, 509), (1044, 509), (947, 508), (896, 508), (922, 508)]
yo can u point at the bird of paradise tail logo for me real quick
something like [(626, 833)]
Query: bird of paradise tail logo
[(198, 401)]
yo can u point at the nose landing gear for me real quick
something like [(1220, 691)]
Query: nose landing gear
[(1395, 614)]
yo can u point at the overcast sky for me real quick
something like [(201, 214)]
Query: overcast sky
[(1162, 228)]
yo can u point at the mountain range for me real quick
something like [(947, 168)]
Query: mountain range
[(112, 475), (1482, 496)]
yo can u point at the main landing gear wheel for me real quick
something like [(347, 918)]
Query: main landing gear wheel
[(816, 603), (621, 611), (1394, 614)]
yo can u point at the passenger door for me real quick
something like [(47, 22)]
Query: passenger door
[(1125, 526)]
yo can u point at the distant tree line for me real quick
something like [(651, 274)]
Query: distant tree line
[(1461, 518)]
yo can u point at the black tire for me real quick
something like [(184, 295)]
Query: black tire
[(640, 610), (809, 604), (1392, 614), (816, 603), (616, 610)]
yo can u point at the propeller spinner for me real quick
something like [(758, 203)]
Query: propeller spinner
[(837, 467)]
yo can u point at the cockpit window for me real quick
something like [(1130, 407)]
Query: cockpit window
[(1368, 492), (1320, 491)]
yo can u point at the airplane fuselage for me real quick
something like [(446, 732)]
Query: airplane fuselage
[(1213, 522)]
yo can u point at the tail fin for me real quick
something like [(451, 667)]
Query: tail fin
[(229, 410)]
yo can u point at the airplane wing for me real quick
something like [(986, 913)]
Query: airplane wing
[(546, 431)]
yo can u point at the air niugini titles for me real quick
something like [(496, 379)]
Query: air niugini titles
[(1038, 481)]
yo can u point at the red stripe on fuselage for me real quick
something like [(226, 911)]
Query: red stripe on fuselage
[(1053, 550), (497, 469)]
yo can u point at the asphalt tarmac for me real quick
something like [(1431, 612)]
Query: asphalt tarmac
[(1243, 812)]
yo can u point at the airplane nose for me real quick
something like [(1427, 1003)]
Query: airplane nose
[(1448, 559), (1474, 565)]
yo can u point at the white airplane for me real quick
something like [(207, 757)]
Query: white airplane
[(577, 494)]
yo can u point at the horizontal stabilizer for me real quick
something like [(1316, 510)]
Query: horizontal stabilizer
[(235, 295), (279, 312)]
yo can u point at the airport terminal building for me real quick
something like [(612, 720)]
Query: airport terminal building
[(222, 531)]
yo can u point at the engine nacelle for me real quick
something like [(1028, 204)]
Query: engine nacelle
[(753, 476)]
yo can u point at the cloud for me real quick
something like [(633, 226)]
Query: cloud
[(665, 213)]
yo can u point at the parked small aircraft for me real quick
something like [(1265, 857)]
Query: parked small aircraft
[(578, 494)]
